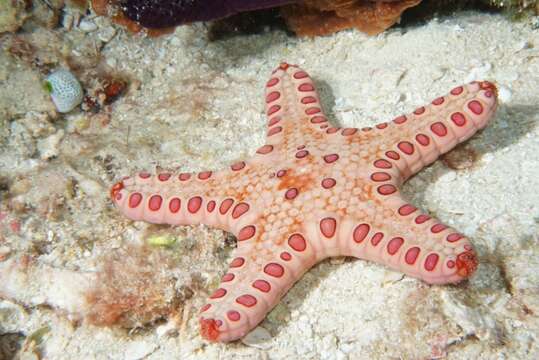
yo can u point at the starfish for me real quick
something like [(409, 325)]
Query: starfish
[(314, 191)]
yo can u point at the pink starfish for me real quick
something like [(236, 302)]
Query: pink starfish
[(314, 191)]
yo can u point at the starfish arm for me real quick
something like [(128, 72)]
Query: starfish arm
[(413, 141), (219, 199), (404, 239), (293, 108), (257, 279)]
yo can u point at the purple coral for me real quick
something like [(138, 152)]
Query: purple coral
[(167, 13)]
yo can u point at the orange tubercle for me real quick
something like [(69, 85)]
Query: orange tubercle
[(467, 264), (116, 188), (283, 66), (208, 329), (487, 85)]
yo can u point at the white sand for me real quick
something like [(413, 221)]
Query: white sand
[(199, 106)]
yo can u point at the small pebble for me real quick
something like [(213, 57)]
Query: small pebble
[(87, 25), (258, 338), (4, 253), (504, 94)]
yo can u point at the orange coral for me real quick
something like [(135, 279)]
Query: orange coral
[(322, 17)]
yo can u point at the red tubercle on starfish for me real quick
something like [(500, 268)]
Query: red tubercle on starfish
[(286, 256), (476, 107), (174, 205), (274, 270), (457, 91), (135, 199), (421, 219), (274, 131), (272, 96), (238, 166), (274, 120), (228, 277), (239, 210), (438, 101), (376, 238), (204, 175), (300, 75), (380, 176), (273, 109), (422, 139), (406, 209), (297, 242), (328, 226), (225, 206), (246, 300), (262, 285), (164, 176), (394, 245), (312, 110), (154, 204), (387, 189), (431, 261), (194, 204), (308, 100), (458, 118), (219, 293), (301, 154), (306, 87), (233, 315), (406, 147), (400, 119), (272, 82), (436, 228), (246, 233), (439, 129), (454, 237), (318, 120), (211, 206), (291, 194), (266, 149), (237, 262), (360, 232), (412, 255), (348, 131), (328, 183), (393, 155), (382, 164), (184, 176), (419, 110)]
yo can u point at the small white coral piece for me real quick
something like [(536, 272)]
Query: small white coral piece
[(66, 92)]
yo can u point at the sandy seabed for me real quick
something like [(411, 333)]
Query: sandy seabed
[(69, 260)]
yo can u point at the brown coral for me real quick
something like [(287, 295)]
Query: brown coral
[(322, 17)]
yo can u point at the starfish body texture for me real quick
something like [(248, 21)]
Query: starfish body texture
[(314, 191)]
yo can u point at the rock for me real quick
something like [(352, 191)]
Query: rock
[(12, 15), (87, 25), (50, 146)]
